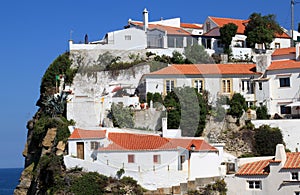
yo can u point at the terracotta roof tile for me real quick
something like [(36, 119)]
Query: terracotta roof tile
[(284, 64), (261, 167), (170, 29), (222, 21), (255, 168), (194, 26), (128, 141), (241, 25), (284, 51), (292, 161), (87, 134), (207, 69)]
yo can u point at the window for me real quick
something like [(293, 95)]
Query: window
[(226, 86), (198, 84), (207, 26), (284, 82), (295, 176), (171, 42), (181, 161), (128, 37), (230, 167), (254, 184), (169, 85), (156, 159), (130, 158), (248, 86), (260, 85), (95, 145), (277, 45), (285, 109)]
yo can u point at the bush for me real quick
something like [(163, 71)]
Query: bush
[(237, 105), (266, 139), (262, 112), (89, 184)]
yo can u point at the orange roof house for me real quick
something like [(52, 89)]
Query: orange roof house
[(240, 23), (87, 134), (207, 69), (146, 142), (277, 175)]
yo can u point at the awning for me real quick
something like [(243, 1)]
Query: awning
[(293, 104)]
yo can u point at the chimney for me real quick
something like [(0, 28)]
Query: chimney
[(145, 14), (164, 125), (297, 50), (280, 154)]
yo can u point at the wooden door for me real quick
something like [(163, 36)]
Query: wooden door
[(80, 150)]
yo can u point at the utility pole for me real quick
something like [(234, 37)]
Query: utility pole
[(292, 21), (293, 2)]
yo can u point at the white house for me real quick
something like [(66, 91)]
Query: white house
[(277, 175), (217, 79), (153, 160), (211, 38), (282, 83), (82, 143), (160, 37)]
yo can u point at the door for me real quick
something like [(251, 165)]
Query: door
[(80, 150)]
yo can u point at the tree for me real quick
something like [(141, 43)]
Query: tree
[(237, 105), (196, 54), (261, 29), (121, 117), (187, 109), (220, 111), (226, 33), (262, 112), (266, 139)]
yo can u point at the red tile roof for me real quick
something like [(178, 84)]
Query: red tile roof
[(128, 141), (241, 25), (255, 168), (87, 134), (261, 167), (194, 26), (207, 69), (284, 51), (170, 29), (222, 21), (292, 161), (284, 64)]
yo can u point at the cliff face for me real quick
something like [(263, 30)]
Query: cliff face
[(44, 171)]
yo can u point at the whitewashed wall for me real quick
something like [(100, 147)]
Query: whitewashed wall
[(289, 129), (283, 95), (271, 184), (149, 175), (116, 40)]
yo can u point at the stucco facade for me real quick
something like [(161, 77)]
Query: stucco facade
[(273, 176)]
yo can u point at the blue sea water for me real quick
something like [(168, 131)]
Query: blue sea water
[(9, 179)]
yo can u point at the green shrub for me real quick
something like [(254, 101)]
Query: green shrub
[(262, 112), (266, 139), (90, 183)]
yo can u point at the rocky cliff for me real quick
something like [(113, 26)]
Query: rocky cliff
[(44, 171)]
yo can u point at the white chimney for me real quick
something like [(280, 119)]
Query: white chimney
[(280, 154), (145, 14), (297, 50), (164, 125)]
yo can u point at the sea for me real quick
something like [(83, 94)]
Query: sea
[(9, 179)]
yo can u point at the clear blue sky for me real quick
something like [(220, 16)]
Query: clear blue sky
[(33, 33)]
